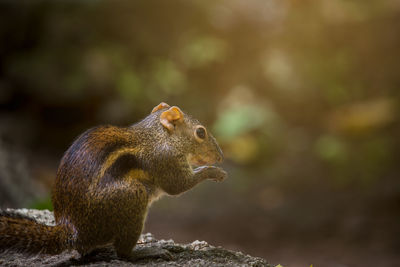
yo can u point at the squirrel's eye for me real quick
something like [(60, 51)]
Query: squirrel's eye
[(201, 132)]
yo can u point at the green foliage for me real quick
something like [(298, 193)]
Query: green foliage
[(331, 149), (129, 86), (204, 50), (168, 77), (235, 121), (42, 204)]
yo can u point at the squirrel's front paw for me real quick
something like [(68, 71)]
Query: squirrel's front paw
[(213, 173), (220, 175)]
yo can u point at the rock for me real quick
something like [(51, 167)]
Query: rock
[(197, 253)]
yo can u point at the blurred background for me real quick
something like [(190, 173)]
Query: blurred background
[(303, 97)]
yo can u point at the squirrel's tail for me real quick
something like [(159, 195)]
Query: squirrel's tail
[(24, 234)]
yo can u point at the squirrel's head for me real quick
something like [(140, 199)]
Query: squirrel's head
[(189, 135)]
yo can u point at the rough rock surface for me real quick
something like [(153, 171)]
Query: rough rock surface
[(198, 253)]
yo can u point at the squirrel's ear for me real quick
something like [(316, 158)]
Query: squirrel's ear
[(171, 117), (160, 106)]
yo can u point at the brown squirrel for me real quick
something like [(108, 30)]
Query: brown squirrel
[(109, 177)]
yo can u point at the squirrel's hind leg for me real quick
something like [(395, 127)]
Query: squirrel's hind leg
[(124, 244), (124, 248)]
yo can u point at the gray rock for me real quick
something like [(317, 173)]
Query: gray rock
[(197, 253)]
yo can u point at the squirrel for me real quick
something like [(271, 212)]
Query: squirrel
[(108, 178)]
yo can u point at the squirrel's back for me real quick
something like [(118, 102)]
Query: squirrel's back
[(84, 170)]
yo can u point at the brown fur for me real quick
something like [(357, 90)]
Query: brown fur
[(107, 180)]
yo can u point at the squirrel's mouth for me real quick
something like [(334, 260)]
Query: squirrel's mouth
[(199, 161)]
